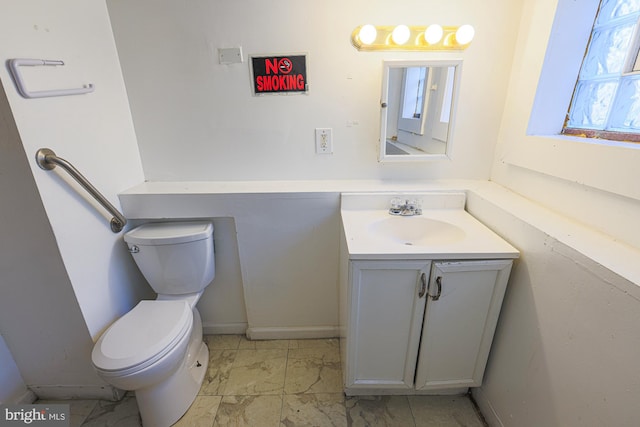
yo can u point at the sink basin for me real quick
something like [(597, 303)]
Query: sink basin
[(416, 231)]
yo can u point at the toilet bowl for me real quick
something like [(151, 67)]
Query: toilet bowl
[(156, 349)]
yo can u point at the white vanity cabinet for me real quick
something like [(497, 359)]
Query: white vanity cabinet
[(385, 324), (420, 326), (463, 306), (420, 293)]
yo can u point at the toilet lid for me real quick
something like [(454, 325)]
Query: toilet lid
[(143, 335), (169, 233)]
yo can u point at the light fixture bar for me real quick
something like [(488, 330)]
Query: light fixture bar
[(381, 37)]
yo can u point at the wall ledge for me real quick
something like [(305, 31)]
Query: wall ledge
[(146, 201), (600, 250), (283, 187)]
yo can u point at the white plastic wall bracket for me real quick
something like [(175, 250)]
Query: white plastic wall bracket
[(16, 63)]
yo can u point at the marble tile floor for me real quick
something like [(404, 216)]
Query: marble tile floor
[(284, 383)]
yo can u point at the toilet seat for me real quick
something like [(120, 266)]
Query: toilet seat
[(142, 336)]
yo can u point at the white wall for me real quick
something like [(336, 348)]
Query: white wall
[(13, 389), (589, 182), (566, 350), (222, 306), (197, 120), (40, 318), (65, 275), (94, 132), (190, 114), (285, 245), (567, 346)]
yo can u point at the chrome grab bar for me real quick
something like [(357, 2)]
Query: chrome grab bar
[(48, 160)]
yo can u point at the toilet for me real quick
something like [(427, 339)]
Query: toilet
[(156, 349)]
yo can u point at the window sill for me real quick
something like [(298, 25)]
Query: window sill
[(602, 136)]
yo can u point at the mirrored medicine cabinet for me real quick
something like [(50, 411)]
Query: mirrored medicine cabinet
[(417, 109)]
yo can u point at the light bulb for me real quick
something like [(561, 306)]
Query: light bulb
[(465, 34), (400, 34), (367, 34), (433, 33)]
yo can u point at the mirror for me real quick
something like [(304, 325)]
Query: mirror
[(417, 109)]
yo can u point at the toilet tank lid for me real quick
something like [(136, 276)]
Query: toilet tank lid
[(168, 233)]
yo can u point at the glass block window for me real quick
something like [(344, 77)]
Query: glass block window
[(606, 99)]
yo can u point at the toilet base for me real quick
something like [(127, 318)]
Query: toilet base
[(166, 402)]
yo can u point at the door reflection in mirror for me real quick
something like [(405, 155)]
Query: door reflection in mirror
[(413, 94)]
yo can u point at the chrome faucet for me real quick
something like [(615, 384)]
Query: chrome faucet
[(405, 208)]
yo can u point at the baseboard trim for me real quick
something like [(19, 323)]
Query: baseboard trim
[(283, 333), (224, 328), (65, 392), (457, 391), (489, 414), (26, 398)]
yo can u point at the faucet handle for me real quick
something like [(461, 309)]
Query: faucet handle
[(415, 206), (396, 206), (405, 207)]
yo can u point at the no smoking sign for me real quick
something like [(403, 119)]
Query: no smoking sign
[(279, 74)]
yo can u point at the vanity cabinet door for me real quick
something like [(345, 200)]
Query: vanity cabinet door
[(460, 318), (387, 300)]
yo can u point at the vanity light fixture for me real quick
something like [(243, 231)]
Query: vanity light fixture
[(465, 34), (400, 34), (433, 34), (411, 38), (368, 34)]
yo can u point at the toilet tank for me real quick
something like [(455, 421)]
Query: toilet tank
[(175, 257)]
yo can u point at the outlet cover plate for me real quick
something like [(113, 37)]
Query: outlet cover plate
[(324, 141)]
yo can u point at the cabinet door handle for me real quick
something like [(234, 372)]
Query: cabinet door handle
[(436, 297), (423, 285)]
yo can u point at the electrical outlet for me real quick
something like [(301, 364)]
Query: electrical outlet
[(324, 141)]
